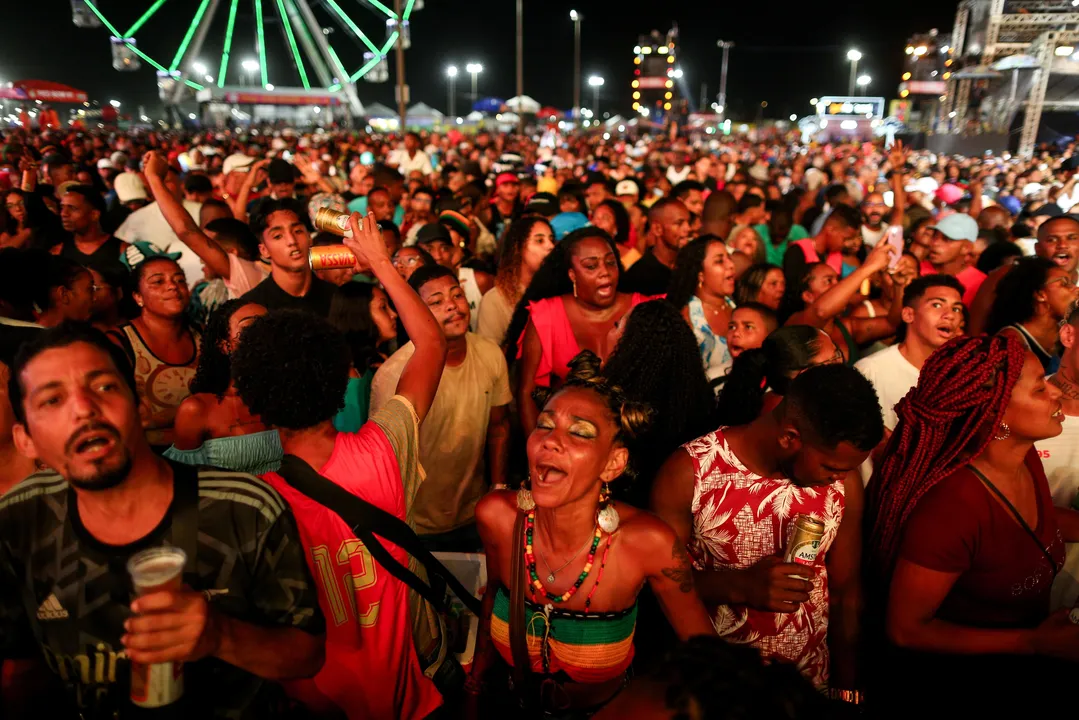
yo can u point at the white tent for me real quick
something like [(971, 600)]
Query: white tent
[(474, 116), (378, 110), (523, 104), (420, 110)]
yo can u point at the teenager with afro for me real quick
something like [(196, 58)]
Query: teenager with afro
[(292, 369)]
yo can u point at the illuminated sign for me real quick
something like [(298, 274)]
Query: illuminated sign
[(924, 87), (653, 83), (867, 107)]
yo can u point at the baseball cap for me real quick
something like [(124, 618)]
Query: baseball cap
[(456, 221), (433, 232), (564, 223), (543, 203), (958, 226), (237, 162), (504, 178), (129, 187), (104, 164), (626, 187), (279, 171), (119, 159), (949, 194)]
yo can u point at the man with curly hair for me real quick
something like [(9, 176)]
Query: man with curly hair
[(292, 369)]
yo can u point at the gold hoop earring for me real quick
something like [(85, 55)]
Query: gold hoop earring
[(1003, 433)]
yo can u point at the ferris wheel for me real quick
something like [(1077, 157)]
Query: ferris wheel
[(306, 28)]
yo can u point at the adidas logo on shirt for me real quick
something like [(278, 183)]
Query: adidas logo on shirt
[(51, 609)]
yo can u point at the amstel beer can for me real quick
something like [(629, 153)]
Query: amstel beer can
[(333, 221), (804, 543), (329, 257)]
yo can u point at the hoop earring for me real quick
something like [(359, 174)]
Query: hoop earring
[(608, 515), (1003, 433), (524, 496)]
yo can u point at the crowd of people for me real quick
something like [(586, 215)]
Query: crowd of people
[(625, 372)]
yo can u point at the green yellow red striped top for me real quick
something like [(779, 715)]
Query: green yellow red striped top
[(587, 647)]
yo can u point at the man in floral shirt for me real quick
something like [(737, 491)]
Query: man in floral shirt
[(733, 495)]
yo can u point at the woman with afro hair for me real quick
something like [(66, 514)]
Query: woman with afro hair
[(213, 425)]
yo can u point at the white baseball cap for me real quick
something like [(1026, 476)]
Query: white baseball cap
[(236, 162), (627, 187), (129, 187)]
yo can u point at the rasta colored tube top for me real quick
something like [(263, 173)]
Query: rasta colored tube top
[(585, 647)]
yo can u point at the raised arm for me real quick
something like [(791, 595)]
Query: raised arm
[(420, 378), (181, 222), (836, 300), (239, 203), (898, 159), (867, 329)]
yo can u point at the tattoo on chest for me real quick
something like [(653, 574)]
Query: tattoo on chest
[(682, 571)]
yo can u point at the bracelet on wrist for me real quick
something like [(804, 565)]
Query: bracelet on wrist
[(854, 697)]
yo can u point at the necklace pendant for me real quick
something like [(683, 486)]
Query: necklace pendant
[(550, 578)]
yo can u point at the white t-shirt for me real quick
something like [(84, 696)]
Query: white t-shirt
[(148, 224), (677, 176), (406, 164), (872, 237), (1060, 458), (892, 377)]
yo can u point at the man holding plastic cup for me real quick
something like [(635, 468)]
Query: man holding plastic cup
[(227, 601)]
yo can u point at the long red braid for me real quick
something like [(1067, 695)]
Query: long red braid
[(945, 421)]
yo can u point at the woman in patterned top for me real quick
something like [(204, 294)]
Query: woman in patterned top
[(701, 286)]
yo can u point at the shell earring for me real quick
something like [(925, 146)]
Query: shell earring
[(1003, 433), (608, 515), (524, 496)]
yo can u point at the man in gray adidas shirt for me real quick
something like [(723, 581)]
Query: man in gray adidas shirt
[(249, 611)]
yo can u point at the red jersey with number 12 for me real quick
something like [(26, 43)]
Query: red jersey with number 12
[(371, 671)]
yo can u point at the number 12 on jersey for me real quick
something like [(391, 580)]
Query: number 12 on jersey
[(352, 583)]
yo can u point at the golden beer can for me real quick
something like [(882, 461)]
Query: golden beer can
[(804, 543), (333, 221), (330, 257)]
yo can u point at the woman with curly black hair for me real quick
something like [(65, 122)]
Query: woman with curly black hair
[(213, 425), (1031, 301), (566, 562), (759, 378), (571, 305), (364, 314), (701, 287), (655, 362)]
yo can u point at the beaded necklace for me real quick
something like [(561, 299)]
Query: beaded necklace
[(530, 560)]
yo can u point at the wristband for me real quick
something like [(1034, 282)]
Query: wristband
[(854, 697)]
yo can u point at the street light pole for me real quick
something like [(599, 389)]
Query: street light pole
[(576, 17), (726, 45), (596, 82), (402, 88), (520, 63), (451, 73), (863, 83), (854, 56), (474, 69)]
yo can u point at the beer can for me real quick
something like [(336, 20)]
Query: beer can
[(1074, 615), (333, 221), (330, 257), (804, 543), (154, 570)]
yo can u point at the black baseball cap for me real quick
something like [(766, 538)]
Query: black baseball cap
[(543, 203), (433, 232), (279, 171)]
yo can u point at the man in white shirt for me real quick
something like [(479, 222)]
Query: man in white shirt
[(411, 158), (932, 314), (148, 224)]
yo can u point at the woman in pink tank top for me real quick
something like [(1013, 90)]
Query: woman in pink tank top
[(571, 305)]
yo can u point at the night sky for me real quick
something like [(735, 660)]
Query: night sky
[(786, 52)]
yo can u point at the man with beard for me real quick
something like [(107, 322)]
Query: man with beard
[(873, 225), (732, 497), (248, 611), (468, 422)]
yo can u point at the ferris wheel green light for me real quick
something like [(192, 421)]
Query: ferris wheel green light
[(310, 52)]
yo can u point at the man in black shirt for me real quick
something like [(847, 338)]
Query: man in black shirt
[(81, 209), (249, 611), (668, 226), (284, 240)]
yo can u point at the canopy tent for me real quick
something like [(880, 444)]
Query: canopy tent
[(523, 104), (43, 90), (488, 105), (475, 116), (423, 115), (378, 110)]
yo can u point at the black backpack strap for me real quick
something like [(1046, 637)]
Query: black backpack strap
[(185, 517), (367, 520)]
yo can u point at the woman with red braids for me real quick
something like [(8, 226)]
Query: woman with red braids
[(963, 541)]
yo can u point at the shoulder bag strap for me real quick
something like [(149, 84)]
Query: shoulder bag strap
[(367, 520), (1015, 513), (522, 665), (185, 516)]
